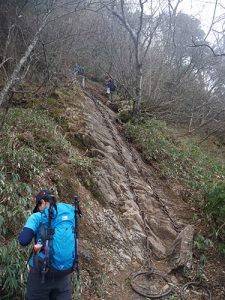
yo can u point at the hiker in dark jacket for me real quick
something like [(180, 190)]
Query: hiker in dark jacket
[(50, 264), (79, 75), (110, 87)]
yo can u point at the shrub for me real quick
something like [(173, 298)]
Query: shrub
[(216, 204), (154, 137), (32, 146), (200, 173), (202, 244), (178, 158), (13, 275)]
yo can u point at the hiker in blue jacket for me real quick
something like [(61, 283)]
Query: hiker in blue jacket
[(54, 253)]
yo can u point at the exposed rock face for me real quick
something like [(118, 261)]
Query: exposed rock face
[(132, 206), (181, 254)]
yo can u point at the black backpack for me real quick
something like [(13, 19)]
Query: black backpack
[(112, 86)]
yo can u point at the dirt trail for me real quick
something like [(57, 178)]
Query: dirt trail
[(137, 219)]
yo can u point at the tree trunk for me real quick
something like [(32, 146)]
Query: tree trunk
[(15, 77), (138, 91)]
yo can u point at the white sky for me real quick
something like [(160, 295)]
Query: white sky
[(203, 10)]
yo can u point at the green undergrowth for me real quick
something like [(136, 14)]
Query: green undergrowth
[(199, 171), (65, 106), (35, 140)]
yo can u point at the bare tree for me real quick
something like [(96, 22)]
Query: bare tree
[(218, 20), (16, 73), (43, 15), (147, 15)]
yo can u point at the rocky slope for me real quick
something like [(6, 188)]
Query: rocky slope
[(134, 220)]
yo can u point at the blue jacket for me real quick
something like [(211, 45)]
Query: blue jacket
[(64, 215)]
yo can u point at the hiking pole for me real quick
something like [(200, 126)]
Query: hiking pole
[(77, 213)]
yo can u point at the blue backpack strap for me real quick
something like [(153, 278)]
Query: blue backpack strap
[(77, 212)]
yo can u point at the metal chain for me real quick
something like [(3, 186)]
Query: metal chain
[(131, 186), (147, 229), (176, 227)]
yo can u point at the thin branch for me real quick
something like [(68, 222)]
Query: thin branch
[(141, 17), (122, 18), (151, 36), (3, 62), (205, 45), (46, 61), (210, 134), (212, 23), (15, 75), (4, 59)]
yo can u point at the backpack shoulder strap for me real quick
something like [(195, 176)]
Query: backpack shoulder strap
[(77, 212), (48, 242)]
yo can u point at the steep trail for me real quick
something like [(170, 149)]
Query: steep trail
[(133, 194), (141, 218)]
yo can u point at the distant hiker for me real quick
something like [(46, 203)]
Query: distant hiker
[(110, 87), (107, 90), (76, 69), (79, 74), (54, 255)]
